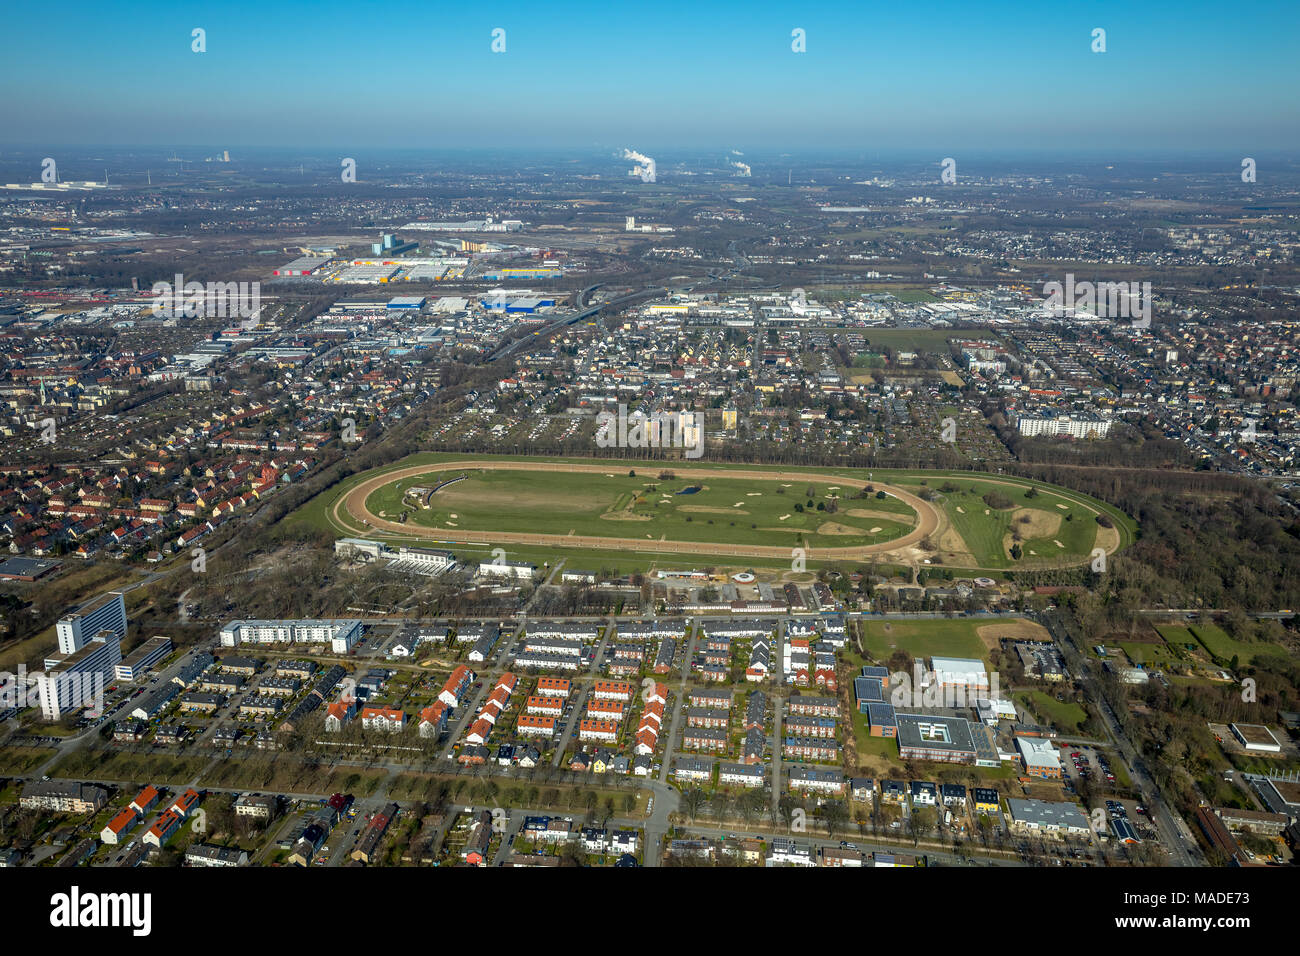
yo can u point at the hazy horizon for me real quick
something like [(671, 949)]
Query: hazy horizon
[(1010, 76)]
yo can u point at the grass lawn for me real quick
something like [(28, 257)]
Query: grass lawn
[(986, 534), (718, 510), (289, 775), (1149, 653), (1264, 766), (912, 340), (877, 756), (563, 797), (135, 767), (946, 638), (1224, 647), (1065, 716), (19, 760), (1175, 636)]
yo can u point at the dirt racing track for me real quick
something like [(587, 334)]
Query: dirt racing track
[(351, 515)]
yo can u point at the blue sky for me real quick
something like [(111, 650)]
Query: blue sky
[(1188, 76)]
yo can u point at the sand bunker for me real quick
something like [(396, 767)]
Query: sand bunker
[(834, 527), (1041, 524), (887, 515), (991, 634)]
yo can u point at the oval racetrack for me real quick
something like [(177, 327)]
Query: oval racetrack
[(354, 502)]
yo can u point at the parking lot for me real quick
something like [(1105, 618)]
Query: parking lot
[(1080, 763)]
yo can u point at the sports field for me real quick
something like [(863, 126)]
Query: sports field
[(955, 637), (758, 513)]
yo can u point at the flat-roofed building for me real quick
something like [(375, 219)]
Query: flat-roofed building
[(514, 570), (882, 720), (142, 660), (1280, 795), (1256, 737), (929, 737), (961, 673), (107, 613), (340, 634), (867, 691), (78, 679)]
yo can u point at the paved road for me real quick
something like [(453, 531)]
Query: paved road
[(579, 698), (935, 856), (778, 703), (1175, 836)]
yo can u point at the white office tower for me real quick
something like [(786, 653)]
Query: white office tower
[(107, 614), (78, 680)]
